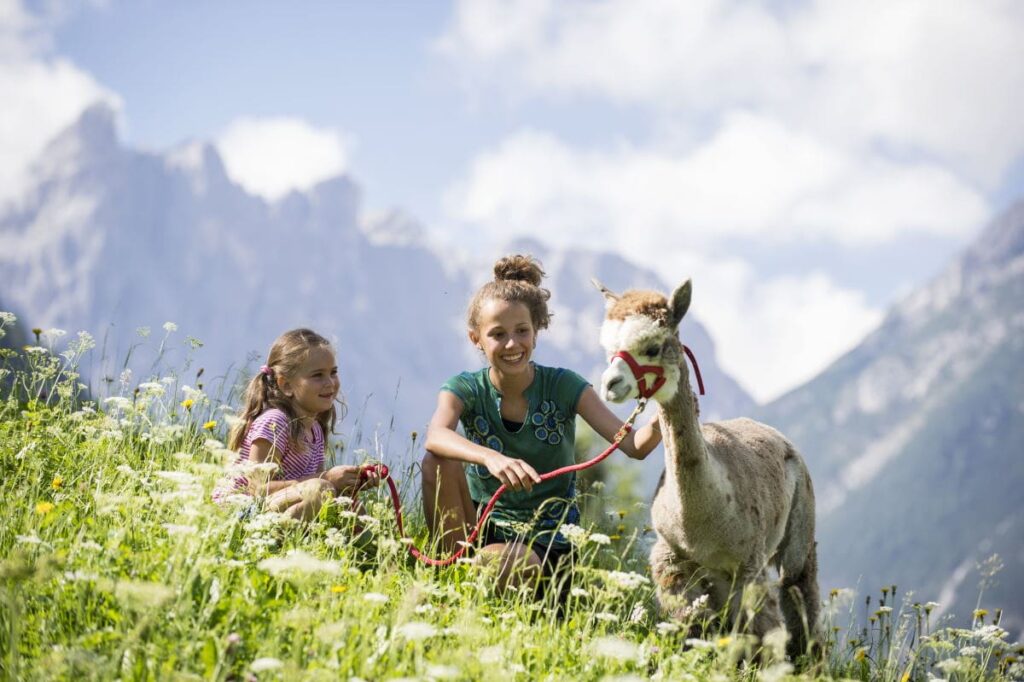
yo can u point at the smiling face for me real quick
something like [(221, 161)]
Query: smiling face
[(314, 386), (506, 336)]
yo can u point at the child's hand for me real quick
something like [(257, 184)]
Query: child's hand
[(515, 473), (345, 478)]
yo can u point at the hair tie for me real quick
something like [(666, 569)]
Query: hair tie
[(266, 369)]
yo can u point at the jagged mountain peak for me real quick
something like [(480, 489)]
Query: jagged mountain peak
[(91, 137)]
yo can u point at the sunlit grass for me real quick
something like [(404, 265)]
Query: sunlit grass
[(117, 564)]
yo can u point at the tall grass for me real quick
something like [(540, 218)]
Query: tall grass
[(117, 564)]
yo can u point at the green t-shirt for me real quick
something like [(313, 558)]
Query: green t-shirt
[(545, 441)]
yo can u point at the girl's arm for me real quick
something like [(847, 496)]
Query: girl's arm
[(444, 441), (637, 444), (262, 450)]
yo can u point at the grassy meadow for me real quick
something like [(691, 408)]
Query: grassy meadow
[(116, 564)]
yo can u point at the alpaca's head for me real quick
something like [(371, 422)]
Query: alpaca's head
[(645, 324)]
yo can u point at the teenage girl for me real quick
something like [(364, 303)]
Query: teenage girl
[(289, 410), (519, 422)]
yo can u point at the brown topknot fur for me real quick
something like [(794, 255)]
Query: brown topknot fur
[(635, 302)]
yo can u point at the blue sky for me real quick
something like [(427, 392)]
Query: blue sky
[(806, 162)]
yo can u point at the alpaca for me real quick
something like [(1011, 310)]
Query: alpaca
[(735, 496)]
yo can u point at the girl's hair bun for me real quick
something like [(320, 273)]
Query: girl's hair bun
[(519, 268)]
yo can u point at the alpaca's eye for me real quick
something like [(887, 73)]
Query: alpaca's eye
[(652, 351)]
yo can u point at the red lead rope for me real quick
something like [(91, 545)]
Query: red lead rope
[(430, 561)]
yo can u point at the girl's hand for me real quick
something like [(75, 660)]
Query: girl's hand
[(515, 473), (345, 478)]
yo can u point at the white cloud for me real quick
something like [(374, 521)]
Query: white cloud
[(42, 94), (752, 178), (935, 77), (273, 156)]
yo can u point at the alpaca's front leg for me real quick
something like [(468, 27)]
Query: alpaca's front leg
[(683, 588)]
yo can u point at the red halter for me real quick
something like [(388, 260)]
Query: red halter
[(640, 373)]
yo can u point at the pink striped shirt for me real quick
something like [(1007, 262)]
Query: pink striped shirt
[(275, 427)]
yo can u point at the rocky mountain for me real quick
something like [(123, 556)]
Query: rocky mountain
[(111, 238), (915, 438)]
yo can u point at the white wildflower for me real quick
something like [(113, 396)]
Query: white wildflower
[(257, 470), (80, 576), (297, 561), (368, 520), (375, 598), (214, 594), (615, 648), (574, 534), (578, 592), (32, 539), (932, 605), (423, 608), (7, 319), (154, 388), (606, 617), (991, 634), (667, 628), (490, 655), (443, 672), (600, 539), (176, 529), (179, 477), (951, 666), (625, 580), (170, 327), (35, 350), (263, 664), (885, 609), (970, 651), (637, 614), (696, 643), (415, 630), (90, 545), (51, 335)]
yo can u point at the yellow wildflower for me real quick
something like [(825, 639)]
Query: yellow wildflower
[(187, 403), (724, 641), (57, 482), (210, 425), (905, 677), (860, 654), (44, 507), (338, 589), (833, 593), (980, 613)]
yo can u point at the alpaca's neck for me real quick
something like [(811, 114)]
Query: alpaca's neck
[(685, 448)]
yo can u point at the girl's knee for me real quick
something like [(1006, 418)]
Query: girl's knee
[(437, 469)]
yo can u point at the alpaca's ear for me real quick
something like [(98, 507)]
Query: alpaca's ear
[(609, 297), (681, 302)]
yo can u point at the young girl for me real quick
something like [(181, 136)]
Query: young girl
[(519, 421), (289, 409)]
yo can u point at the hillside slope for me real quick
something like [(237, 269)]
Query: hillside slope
[(916, 438)]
